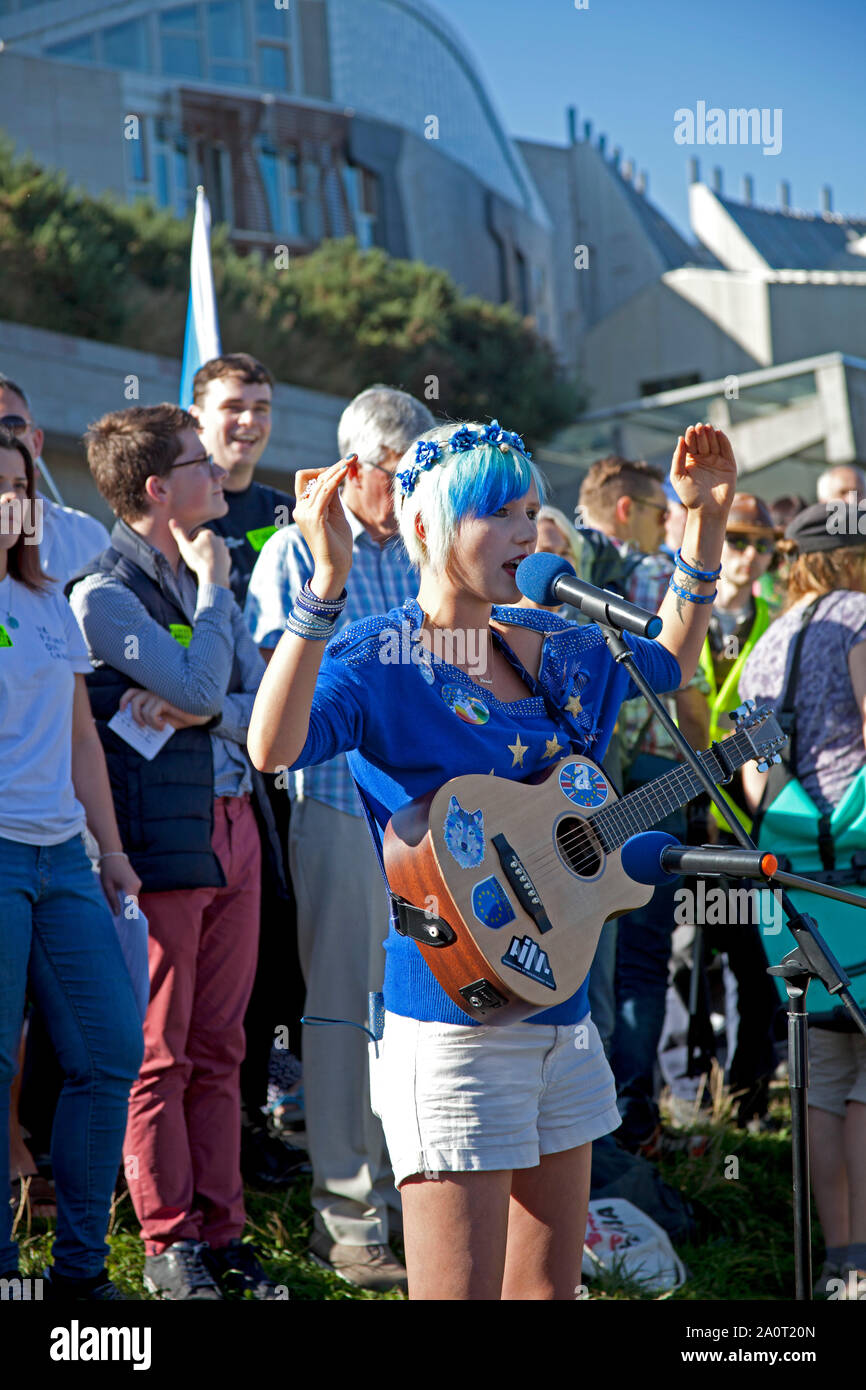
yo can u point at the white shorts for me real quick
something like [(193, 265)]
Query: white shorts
[(455, 1098)]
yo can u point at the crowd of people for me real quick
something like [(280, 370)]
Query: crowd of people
[(199, 734)]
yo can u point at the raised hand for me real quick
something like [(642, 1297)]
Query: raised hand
[(322, 522), (704, 471)]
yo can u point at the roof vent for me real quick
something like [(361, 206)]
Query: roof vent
[(785, 195), (748, 188)]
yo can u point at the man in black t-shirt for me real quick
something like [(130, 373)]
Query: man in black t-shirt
[(232, 403)]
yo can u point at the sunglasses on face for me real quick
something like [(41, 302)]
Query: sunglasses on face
[(15, 423), (661, 512), (741, 543)]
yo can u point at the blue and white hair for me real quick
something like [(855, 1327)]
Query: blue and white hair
[(461, 483)]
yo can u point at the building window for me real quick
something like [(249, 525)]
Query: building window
[(274, 67), (125, 46), (362, 193), (79, 50), (227, 42), (175, 170), (180, 42), (313, 219), (136, 152), (216, 177), (271, 19), (669, 383), (269, 168), (281, 176)]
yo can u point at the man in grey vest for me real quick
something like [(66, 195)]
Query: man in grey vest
[(169, 645)]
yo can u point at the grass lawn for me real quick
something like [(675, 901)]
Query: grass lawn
[(745, 1251)]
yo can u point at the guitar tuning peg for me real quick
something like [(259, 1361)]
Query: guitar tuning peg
[(777, 757), (763, 765)]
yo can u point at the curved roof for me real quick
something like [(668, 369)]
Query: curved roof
[(400, 61)]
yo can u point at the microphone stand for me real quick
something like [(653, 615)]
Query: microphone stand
[(811, 959)]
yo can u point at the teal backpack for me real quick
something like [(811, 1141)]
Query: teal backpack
[(826, 848)]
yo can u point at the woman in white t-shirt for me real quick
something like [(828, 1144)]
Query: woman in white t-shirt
[(57, 938)]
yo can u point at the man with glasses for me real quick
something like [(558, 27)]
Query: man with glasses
[(342, 911), (69, 538), (170, 648)]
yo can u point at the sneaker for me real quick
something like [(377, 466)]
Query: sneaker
[(268, 1162), (180, 1273), (238, 1271), (58, 1288), (366, 1266)]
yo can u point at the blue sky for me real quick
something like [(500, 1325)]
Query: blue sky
[(627, 65)]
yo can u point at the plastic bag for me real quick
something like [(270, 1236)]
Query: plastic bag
[(622, 1238)]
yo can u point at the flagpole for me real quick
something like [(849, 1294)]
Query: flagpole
[(201, 335)]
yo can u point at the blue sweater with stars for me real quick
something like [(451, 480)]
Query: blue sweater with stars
[(409, 725)]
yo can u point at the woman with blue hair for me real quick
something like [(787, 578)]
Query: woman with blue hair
[(489, 1128)]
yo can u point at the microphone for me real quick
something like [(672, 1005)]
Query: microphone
[(550, 579), (654, 857)]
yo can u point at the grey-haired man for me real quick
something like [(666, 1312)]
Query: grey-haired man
[(342, 913)]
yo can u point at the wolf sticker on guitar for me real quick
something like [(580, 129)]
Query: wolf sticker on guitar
[(525, 874)]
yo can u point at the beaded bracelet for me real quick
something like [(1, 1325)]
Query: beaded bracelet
[(687, 593), (706, 576), (320, 607), (113, 854)]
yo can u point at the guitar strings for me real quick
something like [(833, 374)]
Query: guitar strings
[(620, 816)]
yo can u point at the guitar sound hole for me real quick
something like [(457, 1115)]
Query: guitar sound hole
[(578, 846)]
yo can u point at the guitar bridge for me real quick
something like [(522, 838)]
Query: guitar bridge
[(524, 888)]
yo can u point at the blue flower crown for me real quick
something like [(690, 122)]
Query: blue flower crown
[(430, 452)]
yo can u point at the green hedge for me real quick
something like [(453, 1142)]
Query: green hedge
[(335, 320)]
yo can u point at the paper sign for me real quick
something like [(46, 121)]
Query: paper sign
[(141, 737)]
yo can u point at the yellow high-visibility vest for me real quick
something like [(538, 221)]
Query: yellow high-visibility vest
[(725, 697)]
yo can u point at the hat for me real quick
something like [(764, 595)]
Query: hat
[(750, 516), (824, 527)]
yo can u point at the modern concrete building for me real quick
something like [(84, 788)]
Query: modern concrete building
[(644, 311), (304, 119)]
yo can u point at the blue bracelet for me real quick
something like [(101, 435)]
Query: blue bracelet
[(706, 576), (687, 593), (322, 607), (311, 629)]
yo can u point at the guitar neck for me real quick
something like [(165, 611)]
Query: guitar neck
[(647, 805)]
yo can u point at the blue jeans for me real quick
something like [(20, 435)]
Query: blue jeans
[(643, 951), (57, 939)]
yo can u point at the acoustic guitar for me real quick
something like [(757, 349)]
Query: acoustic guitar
[(505, 885)]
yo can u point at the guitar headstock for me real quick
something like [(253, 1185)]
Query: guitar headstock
[(762, 732)]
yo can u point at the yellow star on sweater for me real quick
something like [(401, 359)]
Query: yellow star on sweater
[(573, 705), (518, 749), (552, 746)]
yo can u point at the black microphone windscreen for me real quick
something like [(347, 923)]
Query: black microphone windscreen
[(536, 574)]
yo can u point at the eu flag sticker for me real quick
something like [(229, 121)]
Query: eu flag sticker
[(490, 903)]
